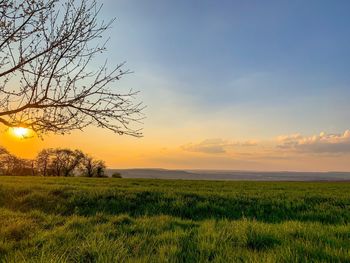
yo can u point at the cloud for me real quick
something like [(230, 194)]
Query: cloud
[(215, 146), (322, 143)]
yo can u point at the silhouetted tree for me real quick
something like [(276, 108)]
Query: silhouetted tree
[(47, 82), (58, 162), (87, 166), (70, 160), (43, 161), (100, 168), (4, 158), (91, 167), (12, 165), (52, 162)]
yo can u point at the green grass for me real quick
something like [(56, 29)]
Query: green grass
[(129, 220)]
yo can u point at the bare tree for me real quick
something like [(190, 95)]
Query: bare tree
[(47, 81), (58, 162), (5, 156), (66, 162), (91, 167), (12, 165), (70, 160), (44, 162), (100, 168), (87, 166)]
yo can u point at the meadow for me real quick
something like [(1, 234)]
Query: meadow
[(138, 220)]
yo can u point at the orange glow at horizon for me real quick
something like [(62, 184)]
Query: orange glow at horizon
[(156, 151)]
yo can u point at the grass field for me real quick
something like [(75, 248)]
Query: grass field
[(130, 220)]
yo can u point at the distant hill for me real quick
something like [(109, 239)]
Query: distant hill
[(230, 175)]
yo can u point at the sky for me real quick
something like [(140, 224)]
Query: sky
[(239, 85)]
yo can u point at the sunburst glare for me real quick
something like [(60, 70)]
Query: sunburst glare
[(20, 132)]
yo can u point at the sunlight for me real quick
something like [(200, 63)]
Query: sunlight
[(20, 132)]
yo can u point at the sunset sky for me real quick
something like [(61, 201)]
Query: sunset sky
[(242, 85)]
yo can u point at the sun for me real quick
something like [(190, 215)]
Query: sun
[(20, 132)]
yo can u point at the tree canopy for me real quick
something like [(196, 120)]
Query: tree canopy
[(49, 80)]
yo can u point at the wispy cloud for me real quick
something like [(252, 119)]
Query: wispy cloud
[(322, 143), (215, 146)]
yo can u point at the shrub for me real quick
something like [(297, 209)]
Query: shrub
[(116, 175)]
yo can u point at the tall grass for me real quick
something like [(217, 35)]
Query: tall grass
[(129, 220)]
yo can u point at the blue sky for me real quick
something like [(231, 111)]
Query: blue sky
[(291, 57), (255, 85)]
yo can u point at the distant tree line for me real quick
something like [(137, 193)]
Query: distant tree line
[(52, 162)]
